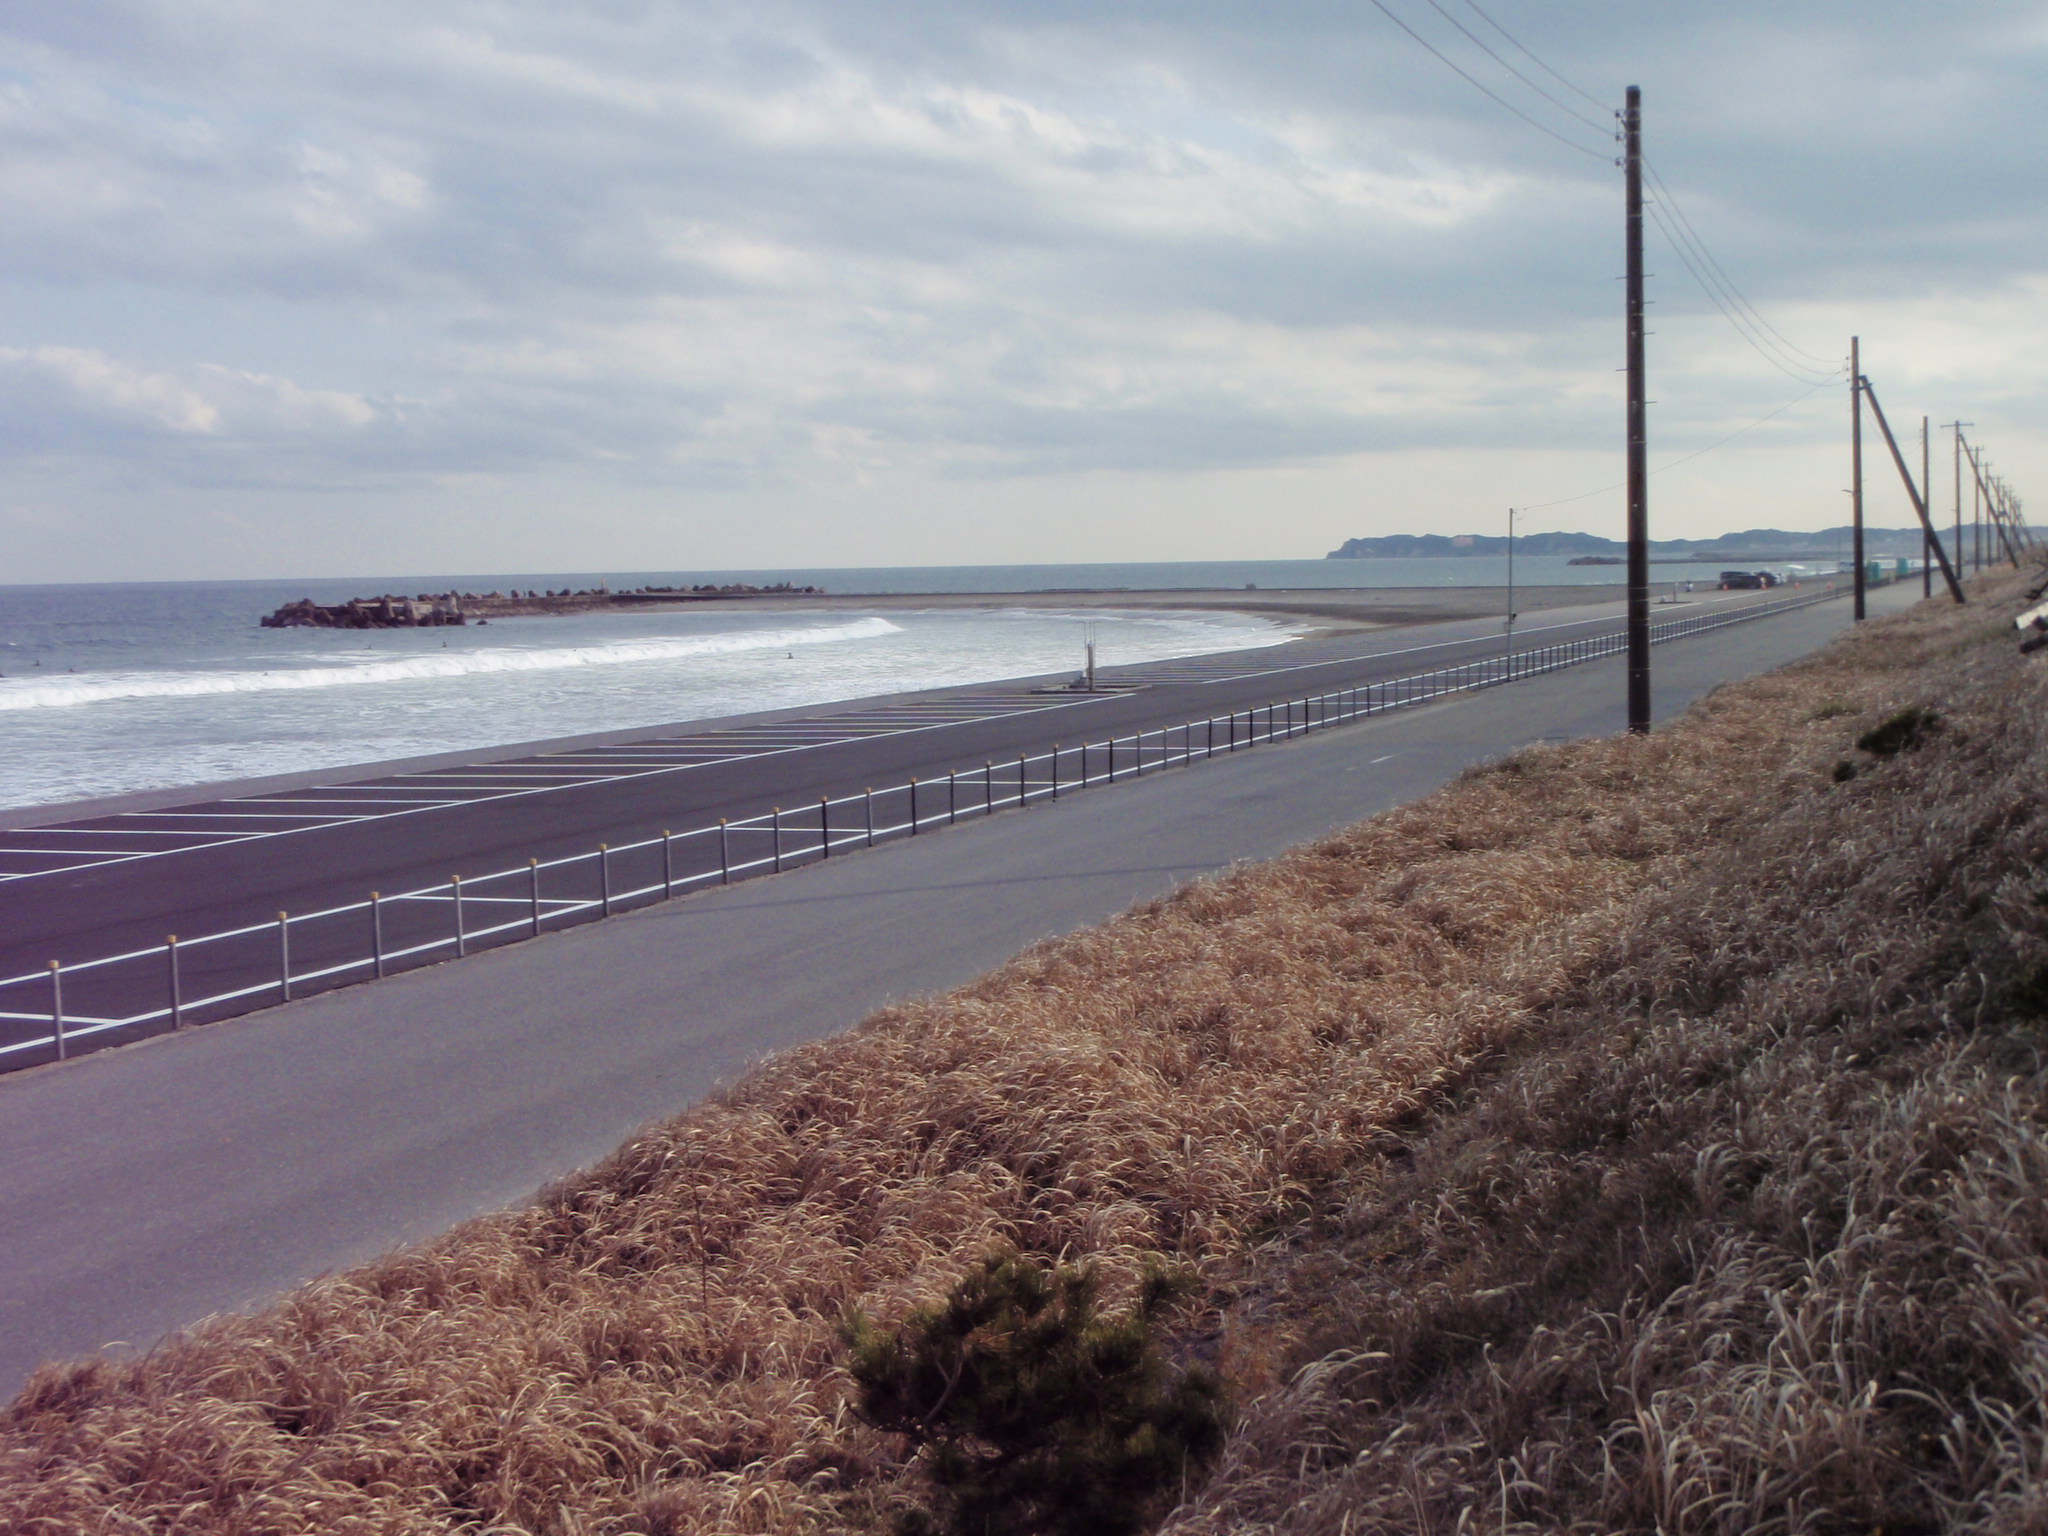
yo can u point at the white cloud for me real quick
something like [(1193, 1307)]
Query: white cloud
[(102, 384), (627, 250)]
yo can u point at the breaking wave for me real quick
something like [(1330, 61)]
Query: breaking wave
[(51, 693)]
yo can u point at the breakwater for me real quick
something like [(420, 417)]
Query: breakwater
[(432, 609)]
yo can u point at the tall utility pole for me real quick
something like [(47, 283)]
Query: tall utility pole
[(1856, 466), (1957, 428), (1976, 518), (1638, 429), (1927, 501)]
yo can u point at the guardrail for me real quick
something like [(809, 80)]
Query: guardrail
[(87, 1003)]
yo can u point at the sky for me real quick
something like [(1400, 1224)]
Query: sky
[(503, 285)]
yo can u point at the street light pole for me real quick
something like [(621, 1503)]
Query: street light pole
[(1511, 591)]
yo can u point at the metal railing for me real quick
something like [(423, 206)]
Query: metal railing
[(298, 953)]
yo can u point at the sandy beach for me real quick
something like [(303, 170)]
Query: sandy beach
[(1335, 609)]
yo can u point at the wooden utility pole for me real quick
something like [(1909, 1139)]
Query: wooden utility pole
[(1913, 493), (1927, 501), (1856, 466), (1976, 518), (1638, 427), (1957, 428), (1985, 493)]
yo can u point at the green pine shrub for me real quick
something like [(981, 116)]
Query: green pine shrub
[(1037, 1415), (1902, 732)]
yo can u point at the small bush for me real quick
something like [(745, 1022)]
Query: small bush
[(1036, 1414), (1844, 771), (1902, 732)]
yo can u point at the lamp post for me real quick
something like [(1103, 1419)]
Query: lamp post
[(1511, 592)]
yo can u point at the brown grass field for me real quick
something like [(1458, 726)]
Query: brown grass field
[(1639, 1135)]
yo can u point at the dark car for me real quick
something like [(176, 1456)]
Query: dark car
[(1741, 581)]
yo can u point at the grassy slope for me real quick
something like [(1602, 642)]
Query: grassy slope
[(1640, 1133)]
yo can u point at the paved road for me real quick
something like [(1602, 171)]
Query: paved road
[(120, 880), (149, 1186)]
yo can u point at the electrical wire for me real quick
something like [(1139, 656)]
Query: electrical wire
[(1569, 111), (1670, 200), (1778, 359), (1560, 79), (1799, 399), (1785, 364), (1450, 64)]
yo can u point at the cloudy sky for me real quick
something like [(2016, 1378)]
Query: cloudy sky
[(504, 285)]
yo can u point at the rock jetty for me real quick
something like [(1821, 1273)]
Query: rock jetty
[(429, 609)]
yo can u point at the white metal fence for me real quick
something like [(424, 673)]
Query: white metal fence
[(167, 985)]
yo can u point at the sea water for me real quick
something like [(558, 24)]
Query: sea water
[(110, 689)]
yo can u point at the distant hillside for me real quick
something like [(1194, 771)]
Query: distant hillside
[(1774, 542)]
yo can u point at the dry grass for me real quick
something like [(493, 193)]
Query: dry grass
[(1599, 1096), (1752, 1234)]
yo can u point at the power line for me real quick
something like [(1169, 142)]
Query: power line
[(1670, 200), (1569, 111), (1775, 356), (1560, 79), (1698, 452), (1448, 63)]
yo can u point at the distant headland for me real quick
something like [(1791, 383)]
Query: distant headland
[(432, 609), (1591, 549)]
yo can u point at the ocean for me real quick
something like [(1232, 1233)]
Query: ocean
[(110, 689)]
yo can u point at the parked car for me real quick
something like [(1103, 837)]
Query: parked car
[(1741, 581)]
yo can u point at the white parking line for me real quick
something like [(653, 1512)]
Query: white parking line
[(72, 852), (224, 837), (241, 816), (331, 800)]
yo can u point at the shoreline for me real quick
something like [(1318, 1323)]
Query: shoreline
[(1336, 610)]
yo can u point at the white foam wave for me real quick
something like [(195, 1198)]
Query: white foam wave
[(40, 693)]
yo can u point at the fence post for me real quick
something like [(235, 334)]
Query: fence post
[(533, 892), (724, 862), (177, 989), (377, 934), (1022, 793), (284, 955), (871, 815), (824, 827), (604, 879), (913, 807), (1084, 762), (775, 825), (57, 1009), (952, 797), (461, 937), (988, 786), (1055, 770), (668, 864)]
